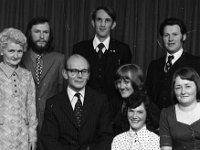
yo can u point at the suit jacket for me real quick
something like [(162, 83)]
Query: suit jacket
[(51, 79), (159, 83), (61, 132), (117, 55)]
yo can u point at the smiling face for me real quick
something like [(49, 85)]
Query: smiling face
[(12, 54), (185, 91), (124, 86), (137, 117), (103, 24), (173, 38)]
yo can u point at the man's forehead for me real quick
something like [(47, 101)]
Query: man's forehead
[(77, 62), (102, 14), (41, 26)]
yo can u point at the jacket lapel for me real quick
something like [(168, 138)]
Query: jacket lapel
[(66, 106), (87, 106), (48, 61)]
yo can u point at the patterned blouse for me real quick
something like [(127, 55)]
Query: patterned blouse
[(18, 120), (141, 140)]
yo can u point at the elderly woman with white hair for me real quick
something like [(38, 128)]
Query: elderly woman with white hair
[(18, 120)]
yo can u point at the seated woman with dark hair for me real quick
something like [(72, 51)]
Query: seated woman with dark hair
[(180, 123), (138, 137), (129, 79)]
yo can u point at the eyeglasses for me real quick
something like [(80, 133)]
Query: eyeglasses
[(75, 72)]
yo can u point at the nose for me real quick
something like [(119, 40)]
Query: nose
[(182, 90), (121, 85), (134, 114), (15, 55), (170, 38), (103, 23), (79, 74), (42, 35)]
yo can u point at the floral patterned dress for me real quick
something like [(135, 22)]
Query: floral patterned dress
[(18, 120)]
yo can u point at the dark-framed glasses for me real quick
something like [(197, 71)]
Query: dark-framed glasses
[(75, 72)]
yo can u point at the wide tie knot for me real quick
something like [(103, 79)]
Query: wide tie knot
[(101, 46), (168, 65), (170, 57)]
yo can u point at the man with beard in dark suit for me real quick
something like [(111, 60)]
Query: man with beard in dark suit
[(79, 117), (45, 64), (104, 53), (160, 71)]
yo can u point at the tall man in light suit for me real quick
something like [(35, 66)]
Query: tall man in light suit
[(50, 81), (160, 71), (62, 130), (104, 53)]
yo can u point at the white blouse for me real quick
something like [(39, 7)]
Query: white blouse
[(140, 140)]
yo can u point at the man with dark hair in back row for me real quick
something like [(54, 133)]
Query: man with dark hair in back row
[(159, 76), (45, 64)]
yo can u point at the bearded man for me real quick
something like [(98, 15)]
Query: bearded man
[(45, 64)]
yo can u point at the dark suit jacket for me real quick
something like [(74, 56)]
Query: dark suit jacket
[(117, 55), (51, 79), (60, 131), (159, 83)]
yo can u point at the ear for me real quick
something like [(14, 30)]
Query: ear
[(64, 73), (113, 25), (92, 22), (184, 37)]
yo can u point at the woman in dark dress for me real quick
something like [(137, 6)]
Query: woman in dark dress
[(180, 123)]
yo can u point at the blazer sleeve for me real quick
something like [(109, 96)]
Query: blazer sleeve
[(50, 130), (165, 135), (105, 134)]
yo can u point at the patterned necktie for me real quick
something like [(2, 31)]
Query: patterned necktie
[(38, 69), (100, 53), (168, 65), (78, 109)]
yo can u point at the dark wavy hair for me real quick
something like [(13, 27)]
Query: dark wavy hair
[(173, 21), (36, 21), (135, 100)]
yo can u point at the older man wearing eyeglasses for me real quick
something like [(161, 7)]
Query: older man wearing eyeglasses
[(79, 117)]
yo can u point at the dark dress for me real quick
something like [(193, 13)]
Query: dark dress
[(176, 134)]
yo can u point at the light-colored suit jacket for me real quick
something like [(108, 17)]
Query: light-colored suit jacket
[(51, 79)]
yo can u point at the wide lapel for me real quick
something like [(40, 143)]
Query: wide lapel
[(48, 61), (66, 106), (28, 63), (88, 108)]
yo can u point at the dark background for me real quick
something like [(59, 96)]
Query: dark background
[(137, 22)]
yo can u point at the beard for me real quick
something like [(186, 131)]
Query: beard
[(39, 49)]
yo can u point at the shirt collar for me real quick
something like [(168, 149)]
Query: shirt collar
[(9, 70), (96, 42), (176, 55), (139, 131), (71, 93)]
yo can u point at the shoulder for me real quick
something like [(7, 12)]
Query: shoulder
[(95, 93), (118, 42), (120, 137), (152, 135), (85, 42), (57, 99), (25, 71), (168, 112)]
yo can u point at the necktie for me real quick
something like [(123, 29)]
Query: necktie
[(38, 69), (168, 65), (78, 109), (100, 53)]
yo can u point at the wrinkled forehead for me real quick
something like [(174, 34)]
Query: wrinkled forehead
[(126, 75)]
